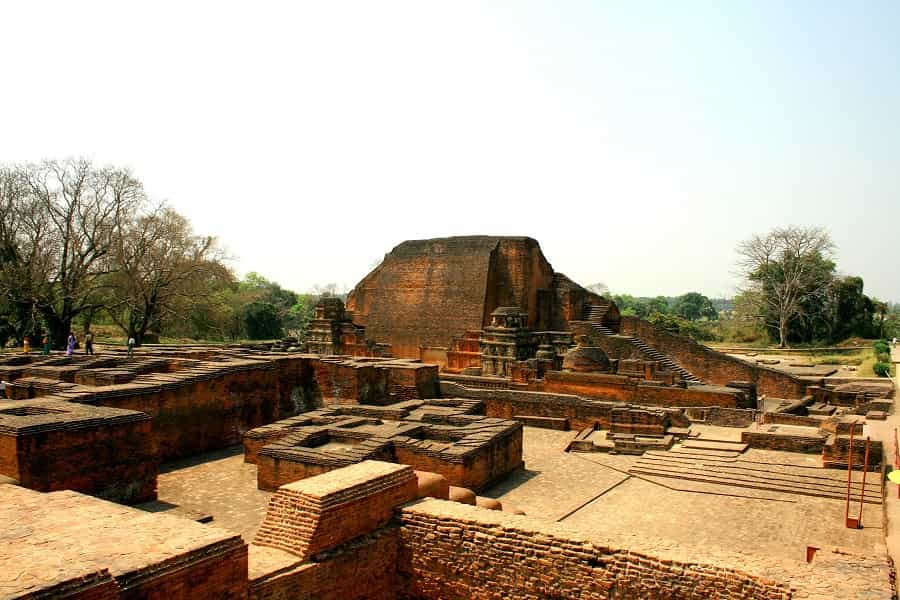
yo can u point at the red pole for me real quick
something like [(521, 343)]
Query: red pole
[(849, 473), (863, 491), (896, 458)]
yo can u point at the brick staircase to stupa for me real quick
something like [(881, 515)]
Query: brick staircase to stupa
[(594, 314)]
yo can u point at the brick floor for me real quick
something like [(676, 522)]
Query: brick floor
[(703, 515), (762, 531), (219, 484)]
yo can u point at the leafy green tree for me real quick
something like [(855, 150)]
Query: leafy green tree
[(678, 325), (262, 321), (694, 306), (641, 307), (270, 292), (659, 304), (300, 314), (851, 311)]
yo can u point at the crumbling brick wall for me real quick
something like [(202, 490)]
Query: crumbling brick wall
[(809, 444), (424, 292), (713, 366), (623, 389), (364, 569), (453, 551), (838, 447), (348, 382), (580, 412), (204, 414)]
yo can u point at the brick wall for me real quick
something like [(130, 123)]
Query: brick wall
[(274, 470), (838, 447), (810, 444), (115, 462), (365, 569), (724, 417), (348, 382), (580, 412), (706, 363), (475, 470), (298, 390), (420, 379), (789, 419), (424, 293), (311, 516), (219, 572), (204, 414), (453, 551)]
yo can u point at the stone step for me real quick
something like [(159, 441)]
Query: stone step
[(700, 476), (733, 473), (716, 445)]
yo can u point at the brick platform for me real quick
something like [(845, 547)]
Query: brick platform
[(67, 543), (431, 435), (456, 551), (311, 516), (49, 444)]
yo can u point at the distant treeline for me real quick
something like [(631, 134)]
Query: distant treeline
[(83, 245), (793, 294)]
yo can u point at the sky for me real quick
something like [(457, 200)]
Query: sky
[(638, 142)]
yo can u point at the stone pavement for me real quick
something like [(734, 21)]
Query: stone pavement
[(67, 538), (219, 484), (884, 431), (554, 482), (761, 531)]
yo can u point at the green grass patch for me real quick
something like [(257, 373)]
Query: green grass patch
[(838, 359)]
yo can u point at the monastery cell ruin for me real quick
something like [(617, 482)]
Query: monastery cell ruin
[(469, 423)]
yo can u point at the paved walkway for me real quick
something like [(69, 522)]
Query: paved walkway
[(884, 431), (219, 484)]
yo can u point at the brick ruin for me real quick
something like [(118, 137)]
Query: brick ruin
[(425, 292), (375, 441), (366, 531), (446, 436)]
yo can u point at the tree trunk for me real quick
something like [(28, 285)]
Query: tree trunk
[(782, 333), (59, 330)]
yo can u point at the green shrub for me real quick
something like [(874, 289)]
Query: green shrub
[(882, 369), (701, 332), (882, 347), (883, 357)]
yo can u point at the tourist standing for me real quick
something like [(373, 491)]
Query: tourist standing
[(131, 346), (26, 345), (45, 344), (88, 343), (70, 344)]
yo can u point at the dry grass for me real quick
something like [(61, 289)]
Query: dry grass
[(855, 359)]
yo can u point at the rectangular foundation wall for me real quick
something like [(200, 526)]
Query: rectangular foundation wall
[(451, 551)]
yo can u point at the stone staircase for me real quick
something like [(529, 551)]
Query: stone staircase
[(594, 314), (648, 350), (705, 466)]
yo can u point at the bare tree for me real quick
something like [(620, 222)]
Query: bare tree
[(159, 270), (599, 288), (22, 235), (785, 269), (61, 219)]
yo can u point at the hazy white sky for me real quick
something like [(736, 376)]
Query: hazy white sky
[(637, 141)]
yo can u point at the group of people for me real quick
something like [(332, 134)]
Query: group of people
[(71, 344)]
